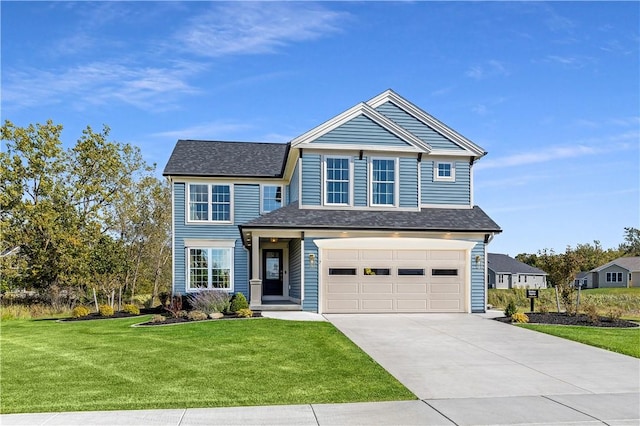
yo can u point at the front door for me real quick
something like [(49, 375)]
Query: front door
[(272, 276)]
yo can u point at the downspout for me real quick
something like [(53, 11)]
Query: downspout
[(302, 254)]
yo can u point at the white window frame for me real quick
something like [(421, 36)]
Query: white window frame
[(209, 245), (396, 183), (209, 219), (262, 199), (350, 183), (436, 172)]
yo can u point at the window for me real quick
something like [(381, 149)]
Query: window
[(377, 271), (500, 278), (271, 198), (337, 181), (410, 271), (342, 271), (445, 171), (613, 277), (210, 268), (209, 203), (383, 182), (444, 272)]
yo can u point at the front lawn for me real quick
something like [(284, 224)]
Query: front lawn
[(622, 340), (107, 365)]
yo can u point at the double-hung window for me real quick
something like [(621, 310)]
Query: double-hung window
[(271, 198), (210, 268), (209, 202), (613, 277), (383, 182), (444, 171), (337, 181)]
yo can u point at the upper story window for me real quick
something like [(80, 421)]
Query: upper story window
[(209, 203), (337, 187), (271, 198), (383, 182), (445, 171)]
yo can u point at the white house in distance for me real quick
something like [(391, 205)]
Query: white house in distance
[(506, 272), (622, 272)]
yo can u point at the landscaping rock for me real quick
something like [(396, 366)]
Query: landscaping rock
[(216, 315)]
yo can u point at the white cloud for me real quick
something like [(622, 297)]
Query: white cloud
[(491, 68), (214, 131), (256, 27)]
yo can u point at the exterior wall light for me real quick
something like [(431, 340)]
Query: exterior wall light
[(312, 260)]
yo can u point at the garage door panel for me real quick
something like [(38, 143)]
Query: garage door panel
[(411, 305), (381, 288), (411, 288), (410, 285)]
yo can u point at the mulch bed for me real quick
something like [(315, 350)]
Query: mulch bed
[(555, 318), (158, 310), (172, 320)]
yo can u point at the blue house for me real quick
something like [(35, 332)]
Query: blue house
[(371, 211)]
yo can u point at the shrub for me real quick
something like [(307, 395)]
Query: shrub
[(197, 316), (158, 318), (244, 313), (210, 301), (105, 310), (131, 309), (510, 309), (80, 311), (239, 302), (614, 314), (175, 306), (591, 311), (519, 318)]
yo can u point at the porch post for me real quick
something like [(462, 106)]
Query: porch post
[(255, 282)]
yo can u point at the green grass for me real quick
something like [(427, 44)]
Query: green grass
[(107, 365), (631, 291), (622, 340)]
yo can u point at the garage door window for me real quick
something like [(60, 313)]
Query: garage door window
[(444, 272), (342, 271), (377, 271), (410, 271)]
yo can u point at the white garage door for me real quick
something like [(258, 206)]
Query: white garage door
[(365, 280)]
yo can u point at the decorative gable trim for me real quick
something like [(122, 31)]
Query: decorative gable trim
[(429, 120), (415, 143)]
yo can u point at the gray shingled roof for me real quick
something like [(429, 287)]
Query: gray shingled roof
[(631, 264), (502, 263), (233, 159), (431, 219)]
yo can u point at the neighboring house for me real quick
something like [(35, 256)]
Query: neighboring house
[(583, 280), (622, 272), (371, 211), (507, 272)]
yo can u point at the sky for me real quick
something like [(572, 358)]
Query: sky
[(550, 90)]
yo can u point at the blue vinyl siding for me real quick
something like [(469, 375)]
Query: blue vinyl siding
[(415, 126), (311, 179), (294, 269), (310, 302), (408, 170), (360, 185), (439, 192), (478, 286), (245, 208), (360, 131), (294, 185)]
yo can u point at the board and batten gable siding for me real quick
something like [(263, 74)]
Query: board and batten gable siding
[(415, 126), (408, 171), (245, 208), (478, 286), (311, 191), (310, 302), (360, 131), (443, 192), (294, 269)]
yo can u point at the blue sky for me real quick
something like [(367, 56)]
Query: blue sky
[(550, 90)]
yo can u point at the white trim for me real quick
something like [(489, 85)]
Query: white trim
[(302, 272), (429, 120), (358, 148), (436, 171), (375, 207), (207, 243), (383, 243), (283, 202), (471, 199), (396, 183), (446, 206), (229, 180), (173, 237), (209, 221), (351, 182)]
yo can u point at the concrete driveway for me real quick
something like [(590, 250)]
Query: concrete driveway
[(469, 366)]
